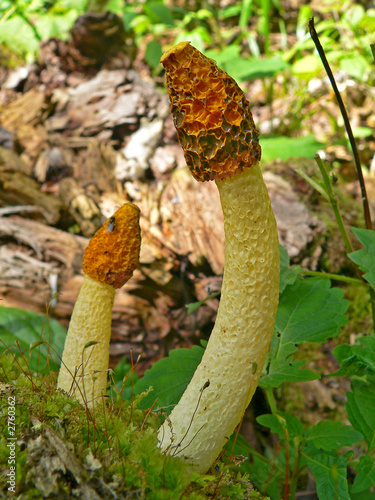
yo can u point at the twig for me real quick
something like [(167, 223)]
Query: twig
[(334, 204), (348, 127)]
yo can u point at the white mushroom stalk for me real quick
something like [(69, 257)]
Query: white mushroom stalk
[(108, 263), (220, 142)]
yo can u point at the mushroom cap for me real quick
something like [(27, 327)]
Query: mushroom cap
[(211, 114), (113, 252)]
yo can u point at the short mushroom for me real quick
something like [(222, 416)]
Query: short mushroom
[(108, 263), (217, 132)]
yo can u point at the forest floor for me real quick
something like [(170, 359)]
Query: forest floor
[(78, 139)]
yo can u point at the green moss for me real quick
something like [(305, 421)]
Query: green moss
[(64, 449)]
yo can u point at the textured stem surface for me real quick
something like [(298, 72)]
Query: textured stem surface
[(83, 372), (224, 382)]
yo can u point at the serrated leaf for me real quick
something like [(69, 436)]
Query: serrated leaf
[(366, 474), (39, 337), (331, 436), (272, 423), (357, 359), (330, 476), (286, 371), (361, 409), (287, 275), (365, 258), (309, 311), (276, 423), (169, 378)]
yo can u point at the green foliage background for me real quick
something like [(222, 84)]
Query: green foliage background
[(241, 37)]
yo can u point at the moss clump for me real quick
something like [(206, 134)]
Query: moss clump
[(64, 449)]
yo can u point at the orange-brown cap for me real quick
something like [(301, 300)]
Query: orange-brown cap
[(211, 114), (113, 253)]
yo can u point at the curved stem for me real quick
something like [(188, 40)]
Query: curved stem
[(205, 420), (84, 366)]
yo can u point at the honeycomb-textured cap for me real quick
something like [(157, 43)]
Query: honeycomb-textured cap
[(113, 253), (211, 114)]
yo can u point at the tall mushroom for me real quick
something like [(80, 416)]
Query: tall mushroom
[(108, 263), (217, 132)]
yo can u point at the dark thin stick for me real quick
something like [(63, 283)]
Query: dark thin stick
[(348, 127)]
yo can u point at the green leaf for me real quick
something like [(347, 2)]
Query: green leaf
[(283, 370), (169, 378), (366, 474), (158, 13), (288, 275), (277, 422), (362, 132), (361, 409), (39, 337), (365, 258), (153, 53), (330, 476), (272, 423), (249, 69), (299, 307), (289, 147), (301, 304), (357, 359), (193, 306), (330, 436), (307, 67), (242, 69)]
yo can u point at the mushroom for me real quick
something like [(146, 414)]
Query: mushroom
[(108, 263), (217, 132)]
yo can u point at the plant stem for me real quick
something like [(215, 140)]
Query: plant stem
[(271, 401), (372, 47), (331, 276), (333, 200), (344, 114)]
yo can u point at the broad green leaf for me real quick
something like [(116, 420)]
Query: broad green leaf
[(357, 359), (272, 423), (169, 378), (289, 147), (365, 258), (366, 474), (368, 494), (158, 13), (282, 420), (39, 337), (153, 53), (243, 69), (287, 275), (283, 370), (360, 132), (309, 311), (331, 436), (307, 67), (361, 409), (18, 36), (330, 476), (249, 69)]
